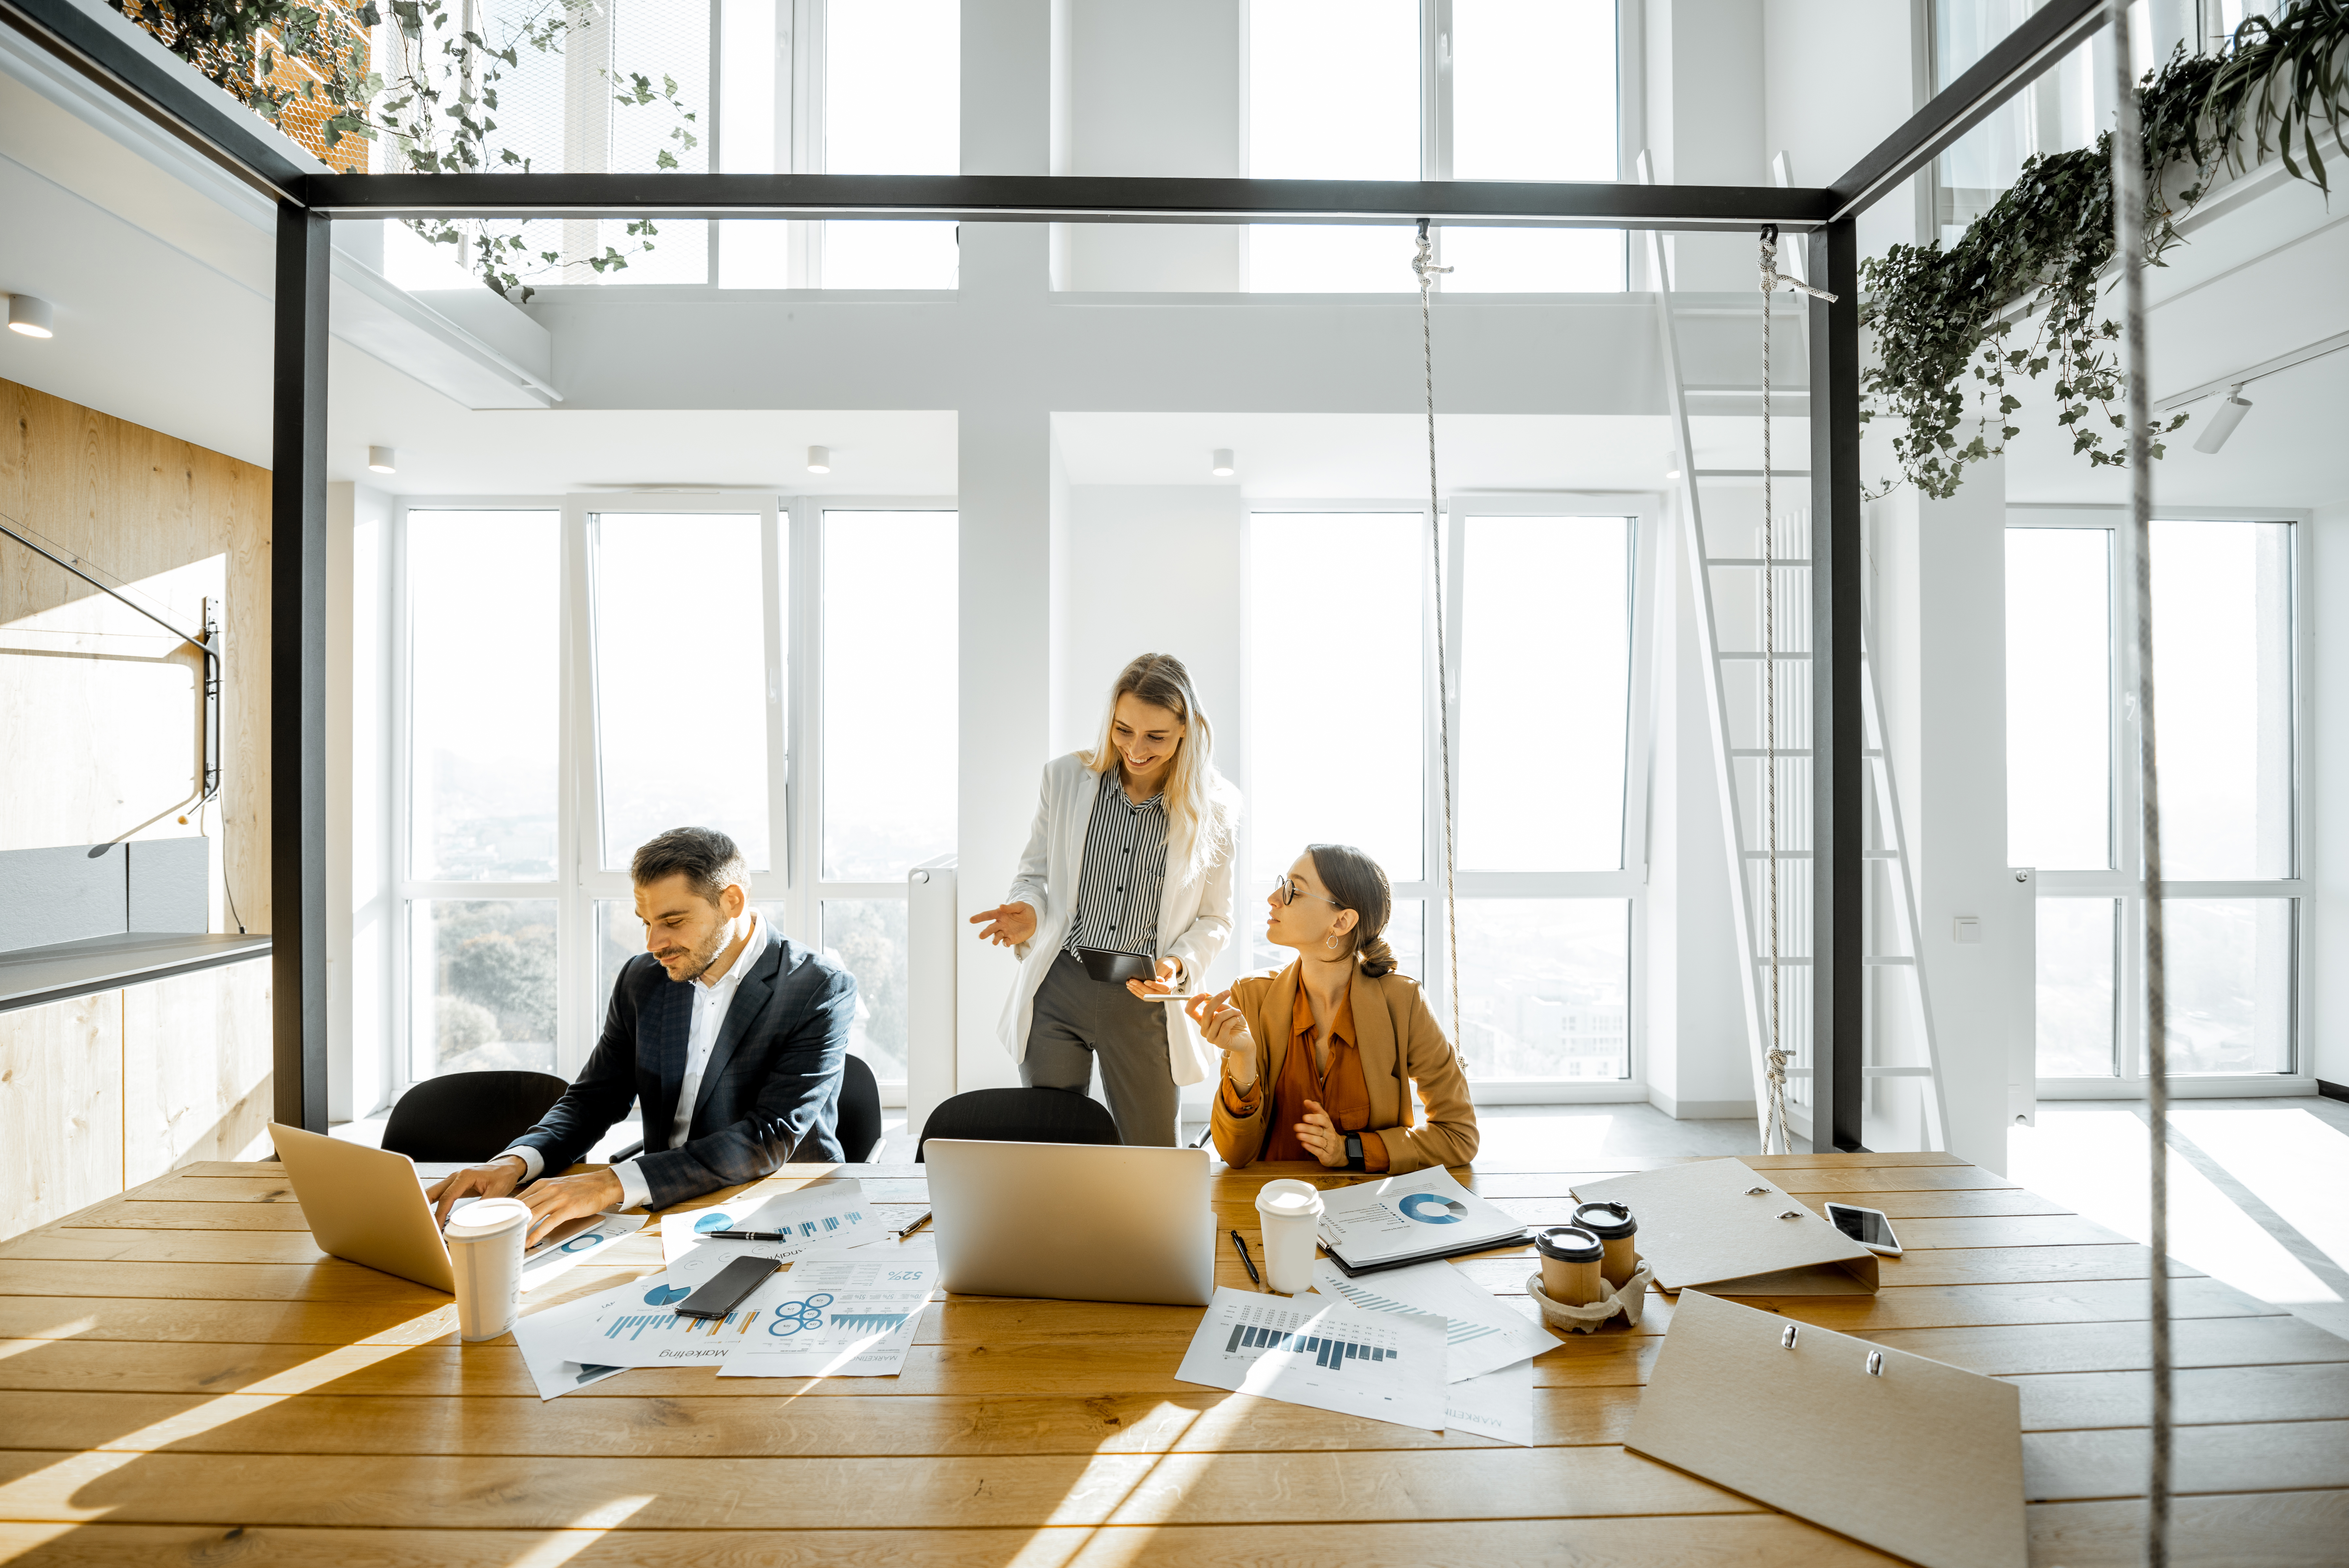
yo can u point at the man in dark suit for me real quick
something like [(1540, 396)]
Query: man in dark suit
[(731, 1035)]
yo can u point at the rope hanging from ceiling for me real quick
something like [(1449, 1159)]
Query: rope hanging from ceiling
[(1422, 267), (1774, 1137)]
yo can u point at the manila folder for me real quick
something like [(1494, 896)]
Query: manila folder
[(1718, 1225)]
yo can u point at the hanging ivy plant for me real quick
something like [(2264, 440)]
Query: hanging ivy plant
[(434, 101), (1944, 322)]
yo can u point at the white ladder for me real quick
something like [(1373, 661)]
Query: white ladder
[(1734, 581)]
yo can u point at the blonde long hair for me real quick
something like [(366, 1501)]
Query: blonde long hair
[(1202, 806)]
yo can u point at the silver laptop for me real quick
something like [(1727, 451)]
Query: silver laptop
[(1073, 1221)]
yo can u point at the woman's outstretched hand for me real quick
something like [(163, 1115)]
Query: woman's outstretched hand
[(1007, 925), (1321, 1140)]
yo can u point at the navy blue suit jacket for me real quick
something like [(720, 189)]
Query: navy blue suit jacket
[(770, 1095)]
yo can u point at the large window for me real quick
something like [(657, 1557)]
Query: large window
[(1436, 89), (578, 676), (841, 87), (1342, 746), (2223, 618)]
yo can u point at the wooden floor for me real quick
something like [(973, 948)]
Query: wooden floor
[(184, 1378)]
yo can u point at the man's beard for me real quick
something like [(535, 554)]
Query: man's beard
[(699, 959)]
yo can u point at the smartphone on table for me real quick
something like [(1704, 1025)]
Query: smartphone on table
[(725, 1291), (1868, 1226)]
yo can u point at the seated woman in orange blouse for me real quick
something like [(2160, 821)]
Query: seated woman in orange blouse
[(1320, 1057)]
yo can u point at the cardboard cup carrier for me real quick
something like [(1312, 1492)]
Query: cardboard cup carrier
[(485, 1240), (1287, 1214)]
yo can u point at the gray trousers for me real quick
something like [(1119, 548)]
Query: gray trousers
[(1078, 1018)]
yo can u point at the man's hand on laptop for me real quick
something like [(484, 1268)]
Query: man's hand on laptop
[(495, 1179), (554, 1201)]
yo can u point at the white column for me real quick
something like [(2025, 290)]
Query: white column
[(2324, 854), (1941, 639)]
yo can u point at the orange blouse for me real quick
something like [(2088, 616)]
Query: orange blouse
[(1341, 1090)]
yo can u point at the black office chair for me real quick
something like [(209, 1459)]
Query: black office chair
[(1020, 1116), (860, 1115), (468, 1116)]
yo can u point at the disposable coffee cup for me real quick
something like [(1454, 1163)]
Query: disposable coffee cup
[(1288, 1213), (1613, 1225), (485, 1240), (1569, 1265)]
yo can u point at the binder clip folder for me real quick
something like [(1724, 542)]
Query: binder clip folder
[(1717, 1225), (1909, 1456)]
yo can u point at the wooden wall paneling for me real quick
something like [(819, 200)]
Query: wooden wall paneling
[(196, 1069), (178, 521), (60, 1109)]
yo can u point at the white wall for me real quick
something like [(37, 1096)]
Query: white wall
[(1940, 613), (2324, 782)]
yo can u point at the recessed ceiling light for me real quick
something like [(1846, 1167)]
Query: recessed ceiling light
[(382, 460), (1222, 467), (819, 460), (29, 316)]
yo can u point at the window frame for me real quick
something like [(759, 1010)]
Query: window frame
[(791, 531), (2124, 879), (1628, 882), (1434, 109)]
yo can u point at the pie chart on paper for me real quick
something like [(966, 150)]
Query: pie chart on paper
[(1433, 1209), (666, 1295)]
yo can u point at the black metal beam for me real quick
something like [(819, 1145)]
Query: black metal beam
[(1840, 782), (2045, 36), (116, 54), (1022, 198), (297, 670)]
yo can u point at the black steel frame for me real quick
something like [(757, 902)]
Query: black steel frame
[(114, 53)]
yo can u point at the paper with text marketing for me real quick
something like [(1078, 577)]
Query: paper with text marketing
[(1497, 1405), (815, 1216), (638, 1326), (1388, 1367), (1482, 1333), (842, 1314)]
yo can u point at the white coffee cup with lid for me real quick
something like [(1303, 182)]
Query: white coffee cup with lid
[(1287, 1214), (485, 1245)]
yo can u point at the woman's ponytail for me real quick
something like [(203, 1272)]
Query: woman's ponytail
[(1358, 883)]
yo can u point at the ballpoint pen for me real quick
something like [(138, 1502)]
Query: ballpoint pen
[(900, 1232), (1240, 1246), (747, 1235)]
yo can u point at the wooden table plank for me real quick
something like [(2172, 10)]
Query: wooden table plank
[(489, 1491), (2201, 1396), (2286, 1456), (1746, 1540), (2269, 1529)]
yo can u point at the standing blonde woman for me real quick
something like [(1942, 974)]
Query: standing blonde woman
[(1130, 853)]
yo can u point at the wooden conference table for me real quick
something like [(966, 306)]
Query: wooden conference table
[(184, 1378)]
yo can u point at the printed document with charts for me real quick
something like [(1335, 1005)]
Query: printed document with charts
[(814, 1216), (1412, 1219), (1307, 1350), (842, 1314)]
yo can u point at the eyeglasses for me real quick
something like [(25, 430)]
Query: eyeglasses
[(1286, 892)]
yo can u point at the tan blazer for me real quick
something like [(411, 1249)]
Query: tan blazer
[(1400, 1043)]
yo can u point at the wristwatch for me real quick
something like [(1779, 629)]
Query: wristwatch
[(1353, 1151)]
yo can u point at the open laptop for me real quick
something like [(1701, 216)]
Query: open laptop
[(367, 1206), (1073, 1221)]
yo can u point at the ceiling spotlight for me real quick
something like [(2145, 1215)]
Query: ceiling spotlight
[(819, 460), (1222, 467), (29, 316), (2223, 419), (382, 460), (1672, 466)]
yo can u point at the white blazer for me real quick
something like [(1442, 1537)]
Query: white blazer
[(1194, 913)]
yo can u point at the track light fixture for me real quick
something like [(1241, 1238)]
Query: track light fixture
[(2223, 419), (1222, 467), (29, 316), (819, 460)]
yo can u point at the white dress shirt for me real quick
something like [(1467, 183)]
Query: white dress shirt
[(711, 999)]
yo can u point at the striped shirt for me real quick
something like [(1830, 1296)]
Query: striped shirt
[(1124, 864)]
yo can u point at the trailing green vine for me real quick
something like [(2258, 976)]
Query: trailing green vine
[(305, 65), (1944, 322)]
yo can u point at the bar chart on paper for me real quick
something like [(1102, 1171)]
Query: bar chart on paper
[(1387, 1367), (1480, 1334)]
